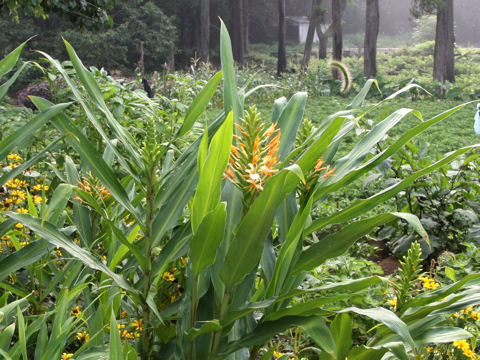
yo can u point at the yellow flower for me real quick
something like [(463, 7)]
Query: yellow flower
[(40, 187), (22, 211), (392, 302), (37, 199), (5, 237), (123, 314), (278, 354), (19, 226), (467, 310), (430, 349), (76, 311), (66, 356), (184, 260), (167, 276), (475, 316), (83, 336), (138, 324), (429, 283), (14, 157)]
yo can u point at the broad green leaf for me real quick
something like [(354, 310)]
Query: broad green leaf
[(21, 333), (247, 246), (6, 336), (197, 107), (50, 233), (7, 312), (5, 86), (450, 273), (9, 61), (442, 335), (202, 150), (362, 94), (206, 240), (230, 94), (319, 332), (208, 191), (116, 350), (27, 130), (341, 328), (360, 207), (27, 255), (365, 353), (57, 203), (337, 243), (206, 328), (388, 318), (278, 107), (289, 121), (415, 223)]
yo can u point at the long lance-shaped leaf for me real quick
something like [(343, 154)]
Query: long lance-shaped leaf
[(319, 332), (197, 107), (90, 114), (208, 191), (27, 164), (388, 318), (29, 128), (4, 87), (23, 257), (337, 243), (206, 240), (377, 159), (362, 206), (252, 231), (92, 159), (362, 94), (289, 121), (289, 251), (55, 237), (349, 162), (90, 84), (9, 61), (230, 94)]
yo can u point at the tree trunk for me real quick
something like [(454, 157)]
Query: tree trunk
[(236, 11), (323, 34), (443, 57), (204, 30), (372, 22), (312, 26), (337, 29), (337, 34), (246, 25), (282, 34)]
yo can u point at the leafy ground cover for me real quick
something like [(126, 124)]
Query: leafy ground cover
[(156, 228)]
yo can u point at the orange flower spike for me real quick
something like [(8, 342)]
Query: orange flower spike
[(319, 164), (229, 173), (271, 130), (275, 141), (234, 150), (256, 143), (329, 172)]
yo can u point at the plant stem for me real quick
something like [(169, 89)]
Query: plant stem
[(193, 313), (221, 313)]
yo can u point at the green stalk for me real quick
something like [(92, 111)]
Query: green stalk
[(193, 313), (223, 310)]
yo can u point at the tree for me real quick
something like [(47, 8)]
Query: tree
[(372, 22), (443, 57), (90, 14), (314, 19), (237, 31), (282, 34), (323, 31), (204, 30)]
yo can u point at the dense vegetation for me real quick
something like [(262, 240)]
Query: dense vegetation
[(130, 225)]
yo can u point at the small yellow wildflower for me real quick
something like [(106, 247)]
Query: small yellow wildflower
[(19, 226), (66, 356), (5, 237), (138, 324), (392, 302), (22, 211), (57, 251), (278, 354), (76, 311), (184, 260), (429, 283), (40, 187), (14, 157), (83, 336), (37, 199), (430, 349), (467, 310), (123, 314), (475, 315), (167, 276)]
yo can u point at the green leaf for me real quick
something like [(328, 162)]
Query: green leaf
[(450, 273), (57, 203), (415, 223), (246, 248), (206, 240), (289, 121), (341, 328), (197, 107), (206, 328), (319, 332), (442, 335), (9, 61), (6, 336), (208, 191), (4, 87), (116, 350), (230, 95), (27, 255), (50, 233), (362, 94), (21, 333), (388, 318), (366, 353)]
